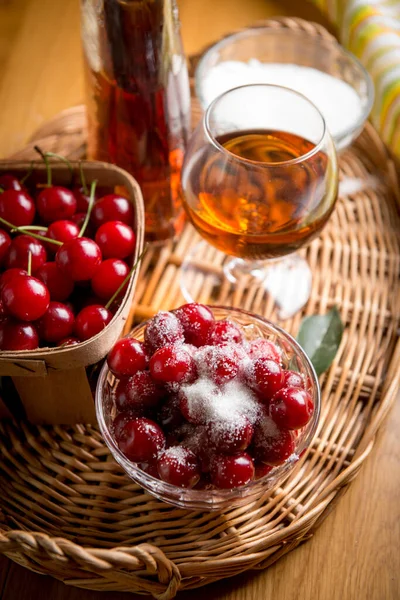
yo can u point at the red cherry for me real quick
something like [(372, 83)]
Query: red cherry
[(62, 231), (261, 470), (127, 357), (122, 402), (26, 297), (225, 331), (17, 207), (163, 329), (205, 452), (10, 274), (59, 285), (197, 321), (5, 242), (55, 203), (68, 341), (231, 471), (172, 364), (179, 466), (262, 348), (292, 379), (231, 435), (112, 208), (190, 411), (265, 376), (108, 278), (138, 392), (115, 239), (18, 253), (18, 336), (57, 323), (170, 416), (218, 362), (79, 218), (120, 421), (91, 320), (82, 199), (150, 469), (140, 439), (270, 444), (10, 182), (79, 258), (291, 408), (3, 312)]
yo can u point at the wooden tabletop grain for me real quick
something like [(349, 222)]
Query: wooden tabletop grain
[(355, 554)]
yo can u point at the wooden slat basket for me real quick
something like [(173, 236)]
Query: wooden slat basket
[(52, 383), (69, 510)]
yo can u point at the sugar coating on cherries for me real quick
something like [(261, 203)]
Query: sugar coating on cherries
[(66, 258), (204, 403), (179, 466), (162, 330)]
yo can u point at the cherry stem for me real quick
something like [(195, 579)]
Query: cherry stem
[(127, 278), (29, 173), (90, 207), (29, 228), (46, 156), (46, 162), (1, 189), (83, 179), (34, 235), (29, 263), (67, 162)]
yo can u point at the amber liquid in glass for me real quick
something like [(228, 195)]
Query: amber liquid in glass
[(136, 118), (260, 207)]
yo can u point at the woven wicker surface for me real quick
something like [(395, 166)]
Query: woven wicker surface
[(69, 511)]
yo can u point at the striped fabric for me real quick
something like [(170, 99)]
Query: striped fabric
[(371, 30)]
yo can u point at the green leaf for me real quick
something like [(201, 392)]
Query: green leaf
[(320, 337)]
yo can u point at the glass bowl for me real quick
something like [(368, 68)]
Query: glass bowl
[(216, 499), (270, 45)]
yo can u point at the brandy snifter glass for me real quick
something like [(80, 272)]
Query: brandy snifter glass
[(259, 182)]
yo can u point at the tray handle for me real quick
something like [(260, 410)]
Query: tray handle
[(115, 563)]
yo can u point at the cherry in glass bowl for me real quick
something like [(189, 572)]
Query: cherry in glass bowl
[(211, 498)]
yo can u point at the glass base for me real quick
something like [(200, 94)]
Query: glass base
[(210, 276)]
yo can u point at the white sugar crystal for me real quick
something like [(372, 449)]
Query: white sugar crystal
[(177, 453), (338, 102), (267, 430), (213, 403)]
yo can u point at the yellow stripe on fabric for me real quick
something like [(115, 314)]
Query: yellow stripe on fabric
[(363, 14), (376, 56), (389, 129), (388, 96), (394, 140), (367, 33), (385, 92), (371, 30)]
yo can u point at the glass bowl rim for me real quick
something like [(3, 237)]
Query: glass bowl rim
[(205, 495), (262, 163), (367, 101)]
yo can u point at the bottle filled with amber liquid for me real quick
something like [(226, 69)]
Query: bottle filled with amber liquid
[(138, 100)]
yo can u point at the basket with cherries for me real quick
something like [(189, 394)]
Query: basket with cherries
[(200, 404), (65, 260)]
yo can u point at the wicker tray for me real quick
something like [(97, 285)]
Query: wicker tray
[(69, 511)]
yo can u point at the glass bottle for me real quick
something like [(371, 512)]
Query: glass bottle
[(138, 100)]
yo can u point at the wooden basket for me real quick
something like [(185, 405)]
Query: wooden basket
[(52, 383), (69, 510)]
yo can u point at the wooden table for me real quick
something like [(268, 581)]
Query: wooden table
[(355, 554)]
